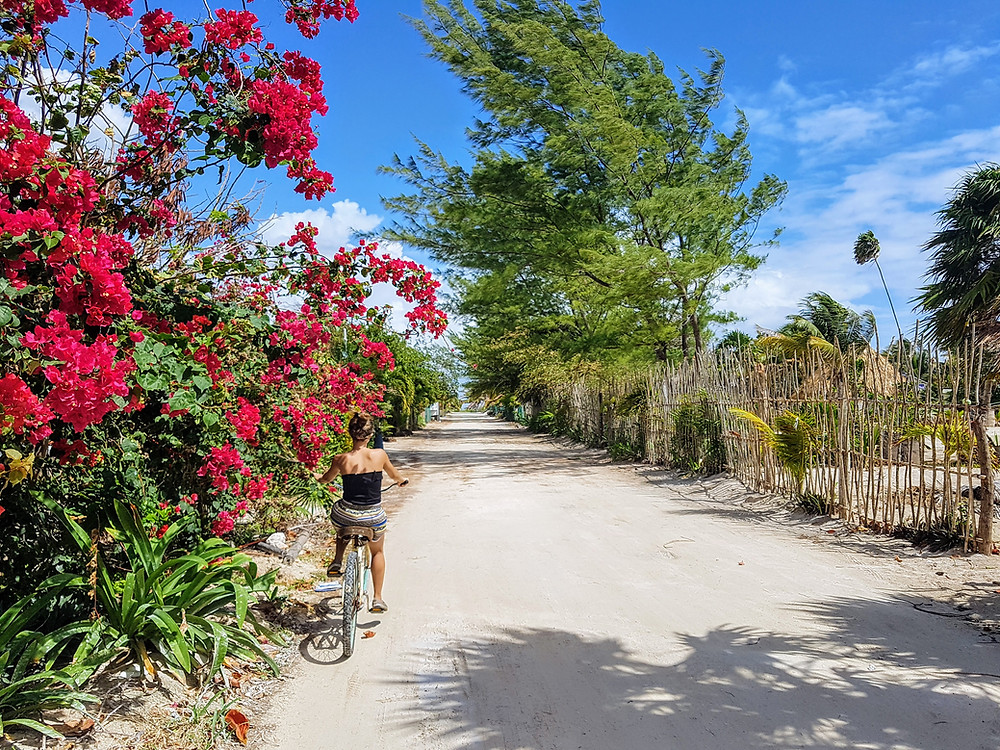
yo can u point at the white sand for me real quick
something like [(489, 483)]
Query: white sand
[(540, 598)]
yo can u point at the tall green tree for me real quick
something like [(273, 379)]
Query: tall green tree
[(601, 202), (963, 288), (963, 295)]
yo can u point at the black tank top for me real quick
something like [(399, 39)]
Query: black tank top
[(363, 489)]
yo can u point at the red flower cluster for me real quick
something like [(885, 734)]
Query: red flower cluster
[(234, 29), (75, 453), (307, 72), (257, 488), (32, 14), (245, 420), (114, 9), (161, 32), (226, 520), (152, 115), (90, 377), (22, 411), (22, 148), (377, 349), (93, 285), (284, 111), (306, 14), (220, 463), (413, 283)]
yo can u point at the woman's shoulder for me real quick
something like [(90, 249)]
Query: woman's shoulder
[(378, 455)]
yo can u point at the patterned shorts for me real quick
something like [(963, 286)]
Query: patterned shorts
[(345, 514)]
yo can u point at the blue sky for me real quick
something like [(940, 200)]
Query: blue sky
[(870, 111)]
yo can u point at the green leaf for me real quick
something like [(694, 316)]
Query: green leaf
[(182, 401), (174, 638), (242, 602), (220, 647), (52, 239), (32, 724)]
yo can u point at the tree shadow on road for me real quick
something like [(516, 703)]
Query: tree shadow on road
[(863, 678)]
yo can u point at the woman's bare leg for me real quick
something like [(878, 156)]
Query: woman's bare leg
[(338, 556), (378, 565)]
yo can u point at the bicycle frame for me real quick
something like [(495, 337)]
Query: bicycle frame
[(357, 583)]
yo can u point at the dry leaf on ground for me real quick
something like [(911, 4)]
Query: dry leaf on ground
[(74, 727), (236, 721)]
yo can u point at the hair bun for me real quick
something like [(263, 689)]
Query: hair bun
[(361, 427)]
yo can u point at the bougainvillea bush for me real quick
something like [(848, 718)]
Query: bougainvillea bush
[(152, 348)]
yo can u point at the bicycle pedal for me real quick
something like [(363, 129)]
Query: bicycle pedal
[(327, 586)]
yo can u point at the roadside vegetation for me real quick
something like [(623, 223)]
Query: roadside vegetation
[(169, 382), (592, 232)]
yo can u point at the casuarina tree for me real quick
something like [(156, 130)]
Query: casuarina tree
[(600, 201)]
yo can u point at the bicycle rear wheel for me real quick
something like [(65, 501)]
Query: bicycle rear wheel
[(352, 601)]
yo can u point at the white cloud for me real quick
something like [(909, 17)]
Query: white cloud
[(840, 124), (896, 196), (934, 68), (826, 121), (337, 226), (786, 64)]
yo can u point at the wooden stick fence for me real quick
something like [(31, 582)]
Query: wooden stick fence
[(892, 446)]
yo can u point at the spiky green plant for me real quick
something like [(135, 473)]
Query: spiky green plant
[(34, 675), (190, 607), (793, 439)]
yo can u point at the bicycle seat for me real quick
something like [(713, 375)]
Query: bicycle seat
[(366, 532)]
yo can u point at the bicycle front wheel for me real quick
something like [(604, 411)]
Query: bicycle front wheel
[(352, 601)]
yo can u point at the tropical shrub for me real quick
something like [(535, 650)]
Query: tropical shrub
[(696, 443), (31, 676), (164, 602), (152, 346), (793, 439)]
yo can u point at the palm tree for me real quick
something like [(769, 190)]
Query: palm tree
[(963, 294), (964, 272), (866, 250), (793, 439), (820, 315)]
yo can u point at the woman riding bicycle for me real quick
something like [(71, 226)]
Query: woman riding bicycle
[(361, 504)]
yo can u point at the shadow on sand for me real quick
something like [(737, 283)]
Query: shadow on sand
[(860, 681)]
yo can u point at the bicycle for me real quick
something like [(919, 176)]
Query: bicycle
[(356, 571), (356, 587)]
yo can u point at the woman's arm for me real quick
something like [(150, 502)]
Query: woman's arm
[(389, 469), (332, 473)]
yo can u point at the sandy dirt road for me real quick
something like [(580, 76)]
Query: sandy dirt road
[(539, 600)]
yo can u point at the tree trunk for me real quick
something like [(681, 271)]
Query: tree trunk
[(984, 534), (600, 419)]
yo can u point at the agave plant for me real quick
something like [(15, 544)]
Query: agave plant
[(793, 439), (190, 608), (34, 673)]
